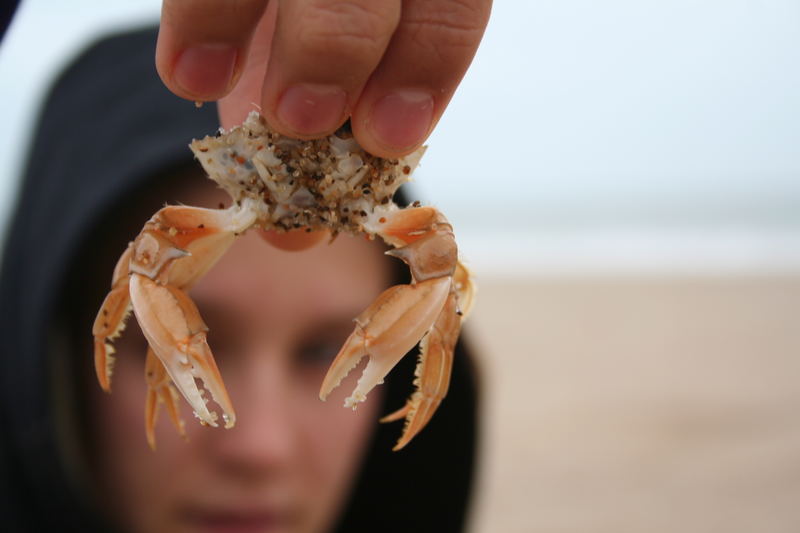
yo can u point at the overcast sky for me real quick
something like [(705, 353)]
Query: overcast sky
[(577, 116)]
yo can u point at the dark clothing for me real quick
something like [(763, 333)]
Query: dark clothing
[(108, 131), (7, 10)]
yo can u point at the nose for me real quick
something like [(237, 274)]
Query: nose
[(264, 437)]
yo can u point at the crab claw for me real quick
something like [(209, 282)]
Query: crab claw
[(432, 373), (172, 325), (386, 331), (110, 321), (159, 390)]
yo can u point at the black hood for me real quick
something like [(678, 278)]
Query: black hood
[(107, 131), (79, 165)]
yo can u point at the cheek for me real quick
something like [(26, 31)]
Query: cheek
[(340, 431), (121, 465), (334, 442), (119, 418), (136, 487)]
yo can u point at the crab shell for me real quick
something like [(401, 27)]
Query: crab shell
[(281, 184)]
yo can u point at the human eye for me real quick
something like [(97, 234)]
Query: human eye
[(226, 343), (225, 336), (317, 351)]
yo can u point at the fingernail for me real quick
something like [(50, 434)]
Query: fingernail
[(206, 70), (401, 119), (311, 109)]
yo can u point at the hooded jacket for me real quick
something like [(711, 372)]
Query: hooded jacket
[(107, 131)]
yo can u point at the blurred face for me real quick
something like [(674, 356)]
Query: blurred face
[(276, 321)]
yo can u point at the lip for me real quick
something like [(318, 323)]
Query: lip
[(231, 519)]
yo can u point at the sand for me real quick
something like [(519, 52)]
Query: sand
[(639, 405)]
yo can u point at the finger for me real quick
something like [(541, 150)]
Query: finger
[(323, 52), (202, 45), (246, 96), (424, 63)]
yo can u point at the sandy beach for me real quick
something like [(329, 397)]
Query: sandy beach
[(656, 404)]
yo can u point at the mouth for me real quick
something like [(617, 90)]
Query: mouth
[(237, 519)]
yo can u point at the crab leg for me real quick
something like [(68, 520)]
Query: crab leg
[(110, 320), (403, 314), (386, 331), (172, 325), (432, 373), (465, 289), (428, 309), (159, 389), (422, 237), (174, 249)]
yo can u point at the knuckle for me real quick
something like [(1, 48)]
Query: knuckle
[(352, 29), (450, 32), (210, 20)]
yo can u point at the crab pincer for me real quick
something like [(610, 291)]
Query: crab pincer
[(159, 390), (426, 310)]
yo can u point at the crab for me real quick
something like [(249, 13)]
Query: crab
[(282, 184)]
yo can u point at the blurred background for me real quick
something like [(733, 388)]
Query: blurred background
[(624, 179)]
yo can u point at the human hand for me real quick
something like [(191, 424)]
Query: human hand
[(309, 65)]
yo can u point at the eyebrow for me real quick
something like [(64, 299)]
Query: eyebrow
[(340, 326), (215, 312)]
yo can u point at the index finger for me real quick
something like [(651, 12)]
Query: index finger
[(202, 45)]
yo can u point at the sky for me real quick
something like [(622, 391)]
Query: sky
[(625, 134)]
